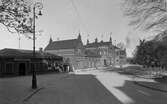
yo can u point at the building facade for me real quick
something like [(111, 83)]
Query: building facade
[(106, 51), (121, 57), (71, 50), (92, 59), (91, 55), (21, 62)]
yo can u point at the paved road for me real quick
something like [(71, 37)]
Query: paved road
[(89, 87), (124, 88)]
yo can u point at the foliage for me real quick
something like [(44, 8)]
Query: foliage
[(147, 14), (151, 53), (161, 52), (16, 15)]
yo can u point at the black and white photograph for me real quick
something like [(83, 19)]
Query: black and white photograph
[(83, 51)]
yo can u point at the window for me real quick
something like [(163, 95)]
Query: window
[(9, 68)]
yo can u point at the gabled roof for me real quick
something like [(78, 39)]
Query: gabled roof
[(63, 44), (19, 53)]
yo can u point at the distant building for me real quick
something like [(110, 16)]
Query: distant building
[(71, 50), (90, 55), (106, 50), (121, 57), (21, 62)]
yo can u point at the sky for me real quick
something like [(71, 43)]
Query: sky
[(64, 19)]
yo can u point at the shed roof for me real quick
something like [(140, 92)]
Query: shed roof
[(19, 53)]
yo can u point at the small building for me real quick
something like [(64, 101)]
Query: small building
[(22, 62)]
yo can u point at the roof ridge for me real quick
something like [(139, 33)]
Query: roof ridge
[(64, 40), (19, 50)]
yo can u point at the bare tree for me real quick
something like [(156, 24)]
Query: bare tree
[(16, 15), (147, 15)]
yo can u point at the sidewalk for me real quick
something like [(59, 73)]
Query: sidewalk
[(156, 85), (16, 90)]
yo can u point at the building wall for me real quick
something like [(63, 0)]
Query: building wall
[(75, 56), (93, 62), (105, 53), (109, 54), (21, 67), (120, 58), (63, 52)]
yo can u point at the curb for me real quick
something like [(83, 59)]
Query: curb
[(152, 88), (146, 77), (147, 86)]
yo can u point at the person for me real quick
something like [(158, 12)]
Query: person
[(61, 68), (49, 67), (56, 68), (68, 69), (71, 68), (65, 67)]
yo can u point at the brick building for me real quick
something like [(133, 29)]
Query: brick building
[(106, 51), (71, 50), (93, 54)]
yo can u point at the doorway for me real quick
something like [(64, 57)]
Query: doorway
[(22, 69)]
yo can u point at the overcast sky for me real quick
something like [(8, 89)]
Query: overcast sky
[(64, 19)]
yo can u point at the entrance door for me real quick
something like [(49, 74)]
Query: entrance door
[(22, 69)]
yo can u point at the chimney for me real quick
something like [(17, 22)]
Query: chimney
[(87, 41), (50, 41), (96, 40), (110, 40)]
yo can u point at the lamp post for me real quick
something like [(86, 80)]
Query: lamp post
[(38, 5)]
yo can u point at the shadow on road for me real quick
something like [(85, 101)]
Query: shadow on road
[(161, 80), (58, 89), (142, 94)]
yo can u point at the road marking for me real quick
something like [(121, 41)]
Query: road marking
[(144, 93)]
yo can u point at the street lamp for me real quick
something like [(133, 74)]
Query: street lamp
[(39, 6)]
